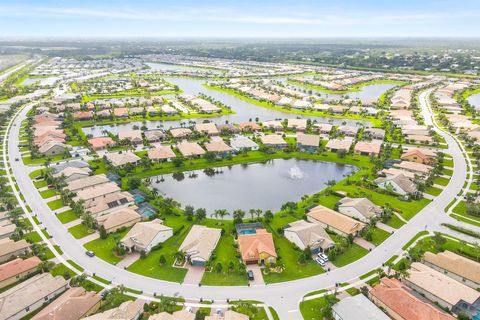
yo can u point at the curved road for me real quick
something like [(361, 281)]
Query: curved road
[(284, 297)]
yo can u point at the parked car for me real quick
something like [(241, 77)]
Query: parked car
[(16, 159), (89, 253), (322, 256), (320, 261), (250, 275)]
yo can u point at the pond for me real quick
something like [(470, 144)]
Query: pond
[(244, 111), (41, 81), (474, 100), (263, 186)]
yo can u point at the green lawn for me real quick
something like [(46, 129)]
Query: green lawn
[(67, 216), (103, 247), (441, 181), (353, 253), (80, 231), (56, 204), (312, 309), (395, 222), (433, 191), (60, 270), (48, 193), (32, 237), (40, 184), (378, 236), (418, 235)]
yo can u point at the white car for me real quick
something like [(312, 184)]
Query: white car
[(322, 256), (320, 261)]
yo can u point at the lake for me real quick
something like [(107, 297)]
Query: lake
[(263, 186), (474, 100)]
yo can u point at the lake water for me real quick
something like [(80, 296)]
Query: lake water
[(263, 186), (474, 100), (244, 111), (41, 81)]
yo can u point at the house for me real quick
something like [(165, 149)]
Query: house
[(200, 243), (11, 249), (219, 147), (306, 234), (180, 133), (98, 192), (297, 124), (120, 112), (74, 304), (79, 151), (424, 156), (455, 266), (301, 104), (134, 136), (284, 101), (257, 248), (414, 167), (357, 307), (136, 111), (240, 143), (401, 304), (228, 127), (323, 128), (128, 310), (146, 235), (101, 143), (190, 149), (161, 153), (440, 288), (154, 135), (365, 148), (359, 208), (152, 111), (120, 218), (83, 115), (17, 269), (110, 203), (208, 128), (249, 126), (7, 229), (349, 131), (87, 182), (30, 295), (335, 145), (419, 138), (73, 173), (121, 159), (228, 315), (177, 315), (375, 133), (308, 142), (273, 124), (399, 184), (274, 140), (103, 114), (335, 221), (52, 148)]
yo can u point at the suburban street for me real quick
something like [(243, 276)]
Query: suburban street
[(284, 297)]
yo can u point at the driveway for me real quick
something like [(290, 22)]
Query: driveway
[(128, 259), (194, 275), (257, 275)]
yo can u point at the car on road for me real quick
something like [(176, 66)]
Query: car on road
[(322, 256), (89, 253), (320, 261), (16, 159), (250, 275)]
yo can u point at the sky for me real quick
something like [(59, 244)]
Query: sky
[(241, 18)]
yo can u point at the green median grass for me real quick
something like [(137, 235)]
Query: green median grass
[(418, 235)]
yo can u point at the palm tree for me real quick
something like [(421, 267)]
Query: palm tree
[(252, 213)]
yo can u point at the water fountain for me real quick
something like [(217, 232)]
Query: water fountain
[(296, 173)]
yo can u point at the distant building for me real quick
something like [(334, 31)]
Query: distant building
[(356, 308)]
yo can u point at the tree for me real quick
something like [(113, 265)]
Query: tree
[(189, 212), (180, 256), (238, 215), (162, 260), (330, 300), (268, 216), (103, 232), (200, 214), (218, 267), (220, 213), (134, 183)]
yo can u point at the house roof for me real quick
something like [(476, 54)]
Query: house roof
[(177, 315), (366, 207), (208, 127), (414, 166), (396, 297), (143, 233), (28, 292), (252, 245), (358, 307), (311, 234), (87, 182), (312, 140), (17, 266), (119, 217), (110, 201), (344, 144), (335, 219), (239, 142), (132, 135), (228, 315), (297, 123), (97, 191), (190, 149), (8, 246), (218, 146), (70, 171), (120, 159), (162, 152), (100, 142), (128, 310), (401, 180), (180, 132), (455, 263), (200, 242), (49, 144), (273, 139), (369, 147), (72, 305), (440, 285)]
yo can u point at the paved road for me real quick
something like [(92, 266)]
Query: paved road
[(284, 297)]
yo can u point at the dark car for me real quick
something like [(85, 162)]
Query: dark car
[(16, 159), (250, 275), (89, 253)]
